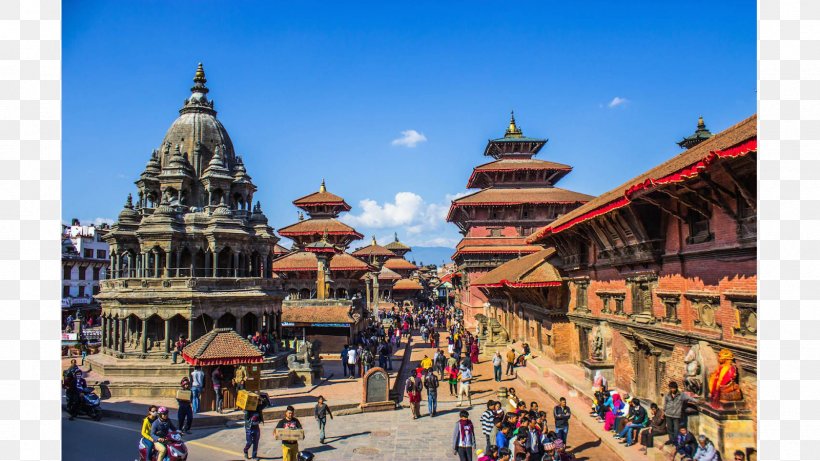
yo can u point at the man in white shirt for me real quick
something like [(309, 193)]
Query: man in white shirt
[(351, 361), (197, 382)]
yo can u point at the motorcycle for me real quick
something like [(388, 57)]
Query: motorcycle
[(176, 450), (89, 404)]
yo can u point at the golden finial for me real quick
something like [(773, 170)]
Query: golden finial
[(200, 74), (322, 188), (701, 125), (374, 240), (324, 236), (513, 130)]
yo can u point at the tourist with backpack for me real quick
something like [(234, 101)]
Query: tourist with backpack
[(464, 437), (413, 388)]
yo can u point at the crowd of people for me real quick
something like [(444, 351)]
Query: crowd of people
[(630, 423)]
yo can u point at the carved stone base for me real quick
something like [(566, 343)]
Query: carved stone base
[(607, 369), (378, 406), (309, 376), (729, 428)]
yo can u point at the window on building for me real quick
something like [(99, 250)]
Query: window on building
[(96, 273), (100, 254), (495, 232), (66, 291), (88, 253), (698, 228), (641, 298), (83, 273), (494, 214), (581, 296), (82, 290), (66, 272)]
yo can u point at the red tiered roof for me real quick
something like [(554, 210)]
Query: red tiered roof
[(400, 264), (531, 271), (509, 196), (221, 346), (516, 164), (318, 226), (303, 261), (736, 141)]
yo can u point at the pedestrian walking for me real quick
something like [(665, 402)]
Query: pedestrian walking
[(562, 415), (452, 379), (290, 448), (510, 362), (431, 384), (253, 418), (465, 377), (352, 359), (185, 414), (343, 356), (464, 437), (413, 389), (197, 382), (487, 423), (321, 411), (497, 366), (216, 380)]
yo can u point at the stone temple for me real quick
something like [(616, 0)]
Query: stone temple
[(192, 252)]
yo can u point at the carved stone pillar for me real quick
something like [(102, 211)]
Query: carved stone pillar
[(167, 335), (167, 272), (117, 334), (179, 261), (239, 326), (144, 336), (156, 263), (216, 264), (104, 332), (122, 335), (191, 329), (236, 264), (208, 266), (113, 272)]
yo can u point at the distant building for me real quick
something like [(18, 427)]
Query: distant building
[(85, 262)]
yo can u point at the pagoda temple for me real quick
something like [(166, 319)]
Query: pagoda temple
[(192, 253), (516, 196), (321, 279)]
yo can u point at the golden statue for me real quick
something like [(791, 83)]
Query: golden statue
[(723, 382)]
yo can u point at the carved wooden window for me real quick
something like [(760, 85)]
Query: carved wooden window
[(747, 319), (705, 306), (619, 305), (605, 309), (495, 232), (671, 302), (699, 231), (641, 298), (581, 296)]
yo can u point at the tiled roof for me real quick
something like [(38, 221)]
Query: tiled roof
[(517, 164), (319, 226), (503, 249), (491, 241), (387, 274), (321, 198), (317, 314), (306, 261), (527, 271), (396, 246), (373, 250), (280, 250), (407, 284), (221, 346), (504, 196), (733, 136), (399, 264)]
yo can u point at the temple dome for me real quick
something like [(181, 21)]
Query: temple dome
[(197, 123)]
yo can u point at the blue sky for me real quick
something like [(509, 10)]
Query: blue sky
[(322, 89)]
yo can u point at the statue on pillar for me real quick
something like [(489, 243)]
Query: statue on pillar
[(723, 382), (598, 345), (692, 380)]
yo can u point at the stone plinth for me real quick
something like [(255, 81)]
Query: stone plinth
[(730, 428), (606, 368), (309, 376), (376, 391)]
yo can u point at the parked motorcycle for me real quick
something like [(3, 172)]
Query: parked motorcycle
[(176, 449), (88, 404)]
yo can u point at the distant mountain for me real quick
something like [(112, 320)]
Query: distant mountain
[(431, 255)]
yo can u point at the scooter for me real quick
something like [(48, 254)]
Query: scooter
[(175, 449), (89, 404)]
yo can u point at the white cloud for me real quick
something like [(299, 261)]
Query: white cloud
[(409, 138), (418, 222), (617, 101)]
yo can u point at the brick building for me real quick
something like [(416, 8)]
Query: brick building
[(658, 275)]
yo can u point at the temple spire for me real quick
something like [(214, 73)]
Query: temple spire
[(396, 235), (322, 188), (374, 241), (199, 80), (129, 202), (513, 131)]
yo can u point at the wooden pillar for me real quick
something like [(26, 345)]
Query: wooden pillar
[(144, 336), (167, 335)]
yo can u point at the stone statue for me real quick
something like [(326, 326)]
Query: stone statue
[(307, 356), (692, 380), (598, 346), (723, 382)]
